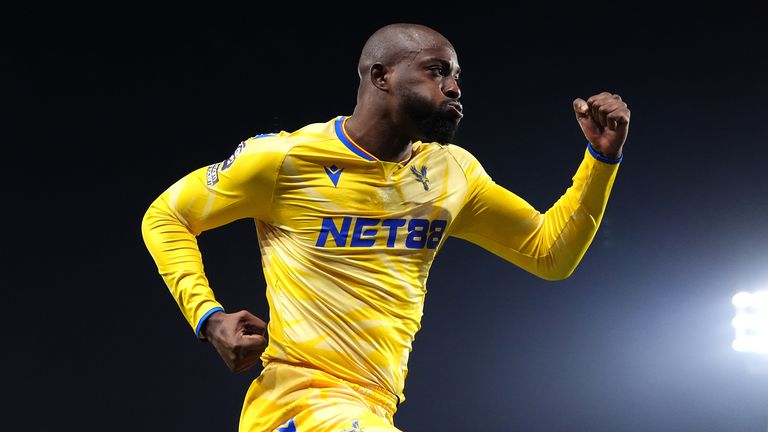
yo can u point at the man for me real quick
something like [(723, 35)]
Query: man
[(350, 214)]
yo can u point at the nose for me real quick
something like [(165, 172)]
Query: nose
[(451, 88)]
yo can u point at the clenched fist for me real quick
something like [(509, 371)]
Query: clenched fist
[(604, 119), (238, 338)]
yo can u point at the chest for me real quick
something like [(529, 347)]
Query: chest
[(349, 203)]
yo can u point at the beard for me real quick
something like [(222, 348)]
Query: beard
[(432, 125)]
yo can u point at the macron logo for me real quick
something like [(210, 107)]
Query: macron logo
[(334, 173), (288, 426)]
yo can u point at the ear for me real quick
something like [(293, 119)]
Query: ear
[(379, 76)]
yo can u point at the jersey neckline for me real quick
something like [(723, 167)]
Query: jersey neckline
[(341, 134)]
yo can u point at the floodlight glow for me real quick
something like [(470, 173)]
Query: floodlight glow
[(751, 322), (742, 299)]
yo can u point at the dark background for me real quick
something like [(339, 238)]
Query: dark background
[(107, 106)]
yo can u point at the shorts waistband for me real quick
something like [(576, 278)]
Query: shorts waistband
[(376, 394)]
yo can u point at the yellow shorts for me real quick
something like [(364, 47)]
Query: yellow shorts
[(289, 398)]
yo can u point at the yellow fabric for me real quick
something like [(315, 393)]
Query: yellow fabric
[(294, 398), (347, 240)]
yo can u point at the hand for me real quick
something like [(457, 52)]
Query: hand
[(238, 338), (604, 119)]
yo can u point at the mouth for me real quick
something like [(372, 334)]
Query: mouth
[(455, 109)]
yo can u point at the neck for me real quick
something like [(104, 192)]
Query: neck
[(378, 135)]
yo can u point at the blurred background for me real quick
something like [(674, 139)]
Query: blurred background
[(108, 105)]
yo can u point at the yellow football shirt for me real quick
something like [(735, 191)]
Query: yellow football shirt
[(347, 240)]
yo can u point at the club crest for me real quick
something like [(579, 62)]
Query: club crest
[(421, 176)]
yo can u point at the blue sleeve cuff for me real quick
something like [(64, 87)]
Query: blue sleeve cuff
[(602, 158), (205, 317)]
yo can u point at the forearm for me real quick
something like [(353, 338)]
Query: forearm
[(177, 256), (207, 198), (549, 245)]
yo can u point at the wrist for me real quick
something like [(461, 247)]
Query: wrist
[(211, 323), (613, 155), (607, 156)]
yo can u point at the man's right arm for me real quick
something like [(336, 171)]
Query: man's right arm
[(240, 187), (238, 338)]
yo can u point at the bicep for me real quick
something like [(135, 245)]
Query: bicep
[(217, 195), (507, 226), (498, 218), (551, 244)]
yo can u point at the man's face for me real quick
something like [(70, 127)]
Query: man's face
[(427, 94)]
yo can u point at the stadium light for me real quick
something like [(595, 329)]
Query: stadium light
[(751, 322)]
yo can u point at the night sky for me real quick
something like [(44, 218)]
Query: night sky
[(106, 107)]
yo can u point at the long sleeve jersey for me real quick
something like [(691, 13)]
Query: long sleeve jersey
[(347, 240)]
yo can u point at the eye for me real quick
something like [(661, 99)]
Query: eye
[(438, 71)]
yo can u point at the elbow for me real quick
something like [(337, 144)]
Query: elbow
[(148, 221), (557, 275), (554, 268), (155, 218), (161, 219)]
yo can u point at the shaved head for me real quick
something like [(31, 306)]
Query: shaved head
[(409, 77), (394, 43)]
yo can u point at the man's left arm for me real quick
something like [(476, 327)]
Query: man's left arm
[(550, 245)]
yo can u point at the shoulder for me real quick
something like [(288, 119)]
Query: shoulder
[(457, 159), (266, 152), (284, 142), (472, 168), (454, 154), (463, 157)]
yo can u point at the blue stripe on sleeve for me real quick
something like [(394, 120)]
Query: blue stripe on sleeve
[(205, 317), (602, 158)]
